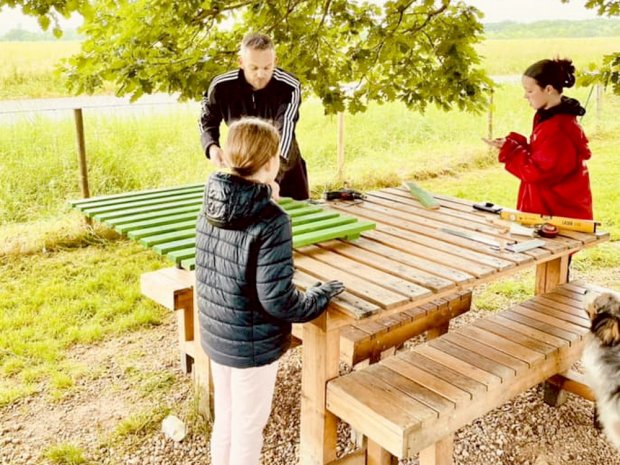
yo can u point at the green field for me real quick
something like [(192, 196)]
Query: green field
[(61, 284)]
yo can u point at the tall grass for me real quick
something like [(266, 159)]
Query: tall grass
[(513, 56)]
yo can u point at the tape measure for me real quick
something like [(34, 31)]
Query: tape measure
[(547, 230)]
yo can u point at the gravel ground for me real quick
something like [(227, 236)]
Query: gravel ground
[(138, 376)]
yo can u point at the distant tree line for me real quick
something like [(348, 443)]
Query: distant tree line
[(601, 27), (22, 35)]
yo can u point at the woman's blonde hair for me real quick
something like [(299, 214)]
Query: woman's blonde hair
[(251, 143)]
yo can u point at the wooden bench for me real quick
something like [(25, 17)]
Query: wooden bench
[(363, 340), (373, 339), (414, 402)]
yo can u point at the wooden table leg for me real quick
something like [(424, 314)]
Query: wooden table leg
[(201, 371), (320, 358), (550, 274)]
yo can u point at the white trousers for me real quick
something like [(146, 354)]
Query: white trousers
[(242, 399)]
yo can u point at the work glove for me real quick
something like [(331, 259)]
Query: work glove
[(330, 289)]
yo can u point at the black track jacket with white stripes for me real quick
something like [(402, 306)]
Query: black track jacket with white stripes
[(230, 98)]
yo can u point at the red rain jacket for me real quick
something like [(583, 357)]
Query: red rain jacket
[(554, 177)]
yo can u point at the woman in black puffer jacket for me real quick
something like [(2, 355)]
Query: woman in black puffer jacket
[(246, 297)]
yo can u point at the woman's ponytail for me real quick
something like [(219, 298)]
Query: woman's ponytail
[(559, 73)]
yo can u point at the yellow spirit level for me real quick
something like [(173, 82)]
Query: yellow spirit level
[(572, 224)]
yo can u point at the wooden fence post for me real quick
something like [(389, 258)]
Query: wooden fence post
[(490, 117), (81, 146), (340, 145)]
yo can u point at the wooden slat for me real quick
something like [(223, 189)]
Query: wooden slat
[(459, 365), (503, 372), (127, 222), (318, 225), (411, 388), (502, 344), (556, 304), (365, 289), (428, 380), (357, 307), (112, 215), (195, 197), (568, 336), (530, 331), (174, 245), (476, 257), (557, 313), (444, 217), (465, 383), (436, 235), (517, 365), (161, 229), (178, 256), (173, 236), (433, 261), (510, 333), (346, 231), (386, 264), (320, 216), (361, 270), (163, 190), (539, 313)]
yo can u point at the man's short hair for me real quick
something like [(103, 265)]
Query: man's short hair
[(257, 41)]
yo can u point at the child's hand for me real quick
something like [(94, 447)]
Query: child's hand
[(275, 190), (497, 142), (332, 288)]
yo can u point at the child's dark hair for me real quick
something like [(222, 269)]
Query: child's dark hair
[(559, 73)]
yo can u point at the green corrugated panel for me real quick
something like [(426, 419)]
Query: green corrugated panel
[(320, 216), (189, 263), (169, 237), (76, 203), (134, 230), (171, 246), (348, 231), (150, 208), (122, 224), (318, 225), (183, 254), (165, 220), (141, 203), (104, 201), (162, 229)]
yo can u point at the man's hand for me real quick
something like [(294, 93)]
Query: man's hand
[(497, 143), (275, 190), (216, 156)]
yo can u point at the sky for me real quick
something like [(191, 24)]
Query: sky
[(494, 10)]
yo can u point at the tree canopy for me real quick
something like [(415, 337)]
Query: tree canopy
[(349, 53)]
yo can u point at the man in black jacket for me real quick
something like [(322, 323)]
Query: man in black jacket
[(259, 89)]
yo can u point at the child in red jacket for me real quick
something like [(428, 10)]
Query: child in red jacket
[(551, 167)]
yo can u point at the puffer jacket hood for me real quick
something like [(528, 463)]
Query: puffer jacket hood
[(233, 202), (244, 275), (567, 106)]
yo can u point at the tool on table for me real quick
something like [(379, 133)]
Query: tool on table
[(536, 219), (488, 207), (571, 224), (547, 230), (477, 237), (422, 196), (525, 246), (344, 194)]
